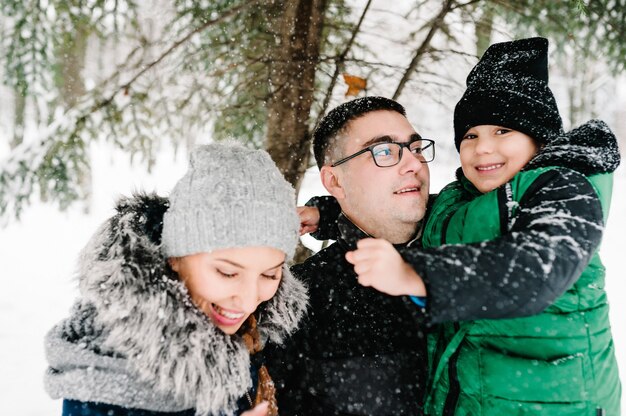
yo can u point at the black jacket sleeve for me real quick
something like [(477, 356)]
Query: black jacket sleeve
[(557, 229), (329, 212)]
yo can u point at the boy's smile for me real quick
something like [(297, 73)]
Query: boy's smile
[(492, 155), (489, 168)]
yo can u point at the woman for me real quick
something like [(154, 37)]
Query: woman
[(178, 296)]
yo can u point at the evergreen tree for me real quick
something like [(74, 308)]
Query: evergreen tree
[(262, 71)]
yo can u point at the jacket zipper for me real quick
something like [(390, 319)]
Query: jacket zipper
[(454, 389)]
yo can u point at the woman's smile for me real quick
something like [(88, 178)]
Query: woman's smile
[(225, 316)]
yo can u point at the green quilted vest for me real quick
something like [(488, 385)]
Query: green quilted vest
[(560, 362)]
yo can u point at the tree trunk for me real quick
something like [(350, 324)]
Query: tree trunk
[(292, 78), (483, 30), (71, 63), (18, 125)]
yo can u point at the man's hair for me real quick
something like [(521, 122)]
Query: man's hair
[(337, 120)]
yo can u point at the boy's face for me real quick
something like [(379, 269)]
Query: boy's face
[(492, 155), (229, 284)]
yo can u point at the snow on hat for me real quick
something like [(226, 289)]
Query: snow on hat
[(230, 197), (509, 87)]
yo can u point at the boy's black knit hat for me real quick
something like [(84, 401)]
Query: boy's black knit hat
[(509, 88)]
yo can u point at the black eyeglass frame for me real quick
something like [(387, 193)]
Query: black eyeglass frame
[(402, 146)]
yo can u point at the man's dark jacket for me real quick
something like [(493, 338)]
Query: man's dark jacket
[(358, 352)]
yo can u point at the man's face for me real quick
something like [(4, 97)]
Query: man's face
[(385, 202)]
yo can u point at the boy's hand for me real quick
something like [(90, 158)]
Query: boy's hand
[(379, 265), (309, 219), (259, 410)]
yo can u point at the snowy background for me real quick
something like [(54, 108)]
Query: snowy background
[(40, 251)]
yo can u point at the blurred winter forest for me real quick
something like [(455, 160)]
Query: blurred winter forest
[(139, 74), (98, 93)]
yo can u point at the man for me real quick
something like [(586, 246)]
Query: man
[(359, 351)]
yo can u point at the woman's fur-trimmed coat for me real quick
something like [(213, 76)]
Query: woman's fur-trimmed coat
[(134, 338)]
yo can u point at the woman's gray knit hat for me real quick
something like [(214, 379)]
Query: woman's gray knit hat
[(230, 197)]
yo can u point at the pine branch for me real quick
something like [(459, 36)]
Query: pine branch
[(435, 25), (340, 62), (463, 5), (174, 46), (34, 164)]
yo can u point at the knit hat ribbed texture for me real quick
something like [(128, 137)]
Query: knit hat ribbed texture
[(230, 197), (509, 87)]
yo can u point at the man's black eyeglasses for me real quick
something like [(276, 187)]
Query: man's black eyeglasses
[(389, 153)]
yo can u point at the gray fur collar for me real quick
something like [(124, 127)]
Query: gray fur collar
[(136, 329)]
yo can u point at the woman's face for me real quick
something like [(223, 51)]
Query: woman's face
[(229, 284), (492, 155)]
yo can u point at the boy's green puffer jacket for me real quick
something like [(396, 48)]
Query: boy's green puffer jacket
[(515, 281)]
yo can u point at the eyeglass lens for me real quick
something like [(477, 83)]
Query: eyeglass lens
[(388, 154)]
